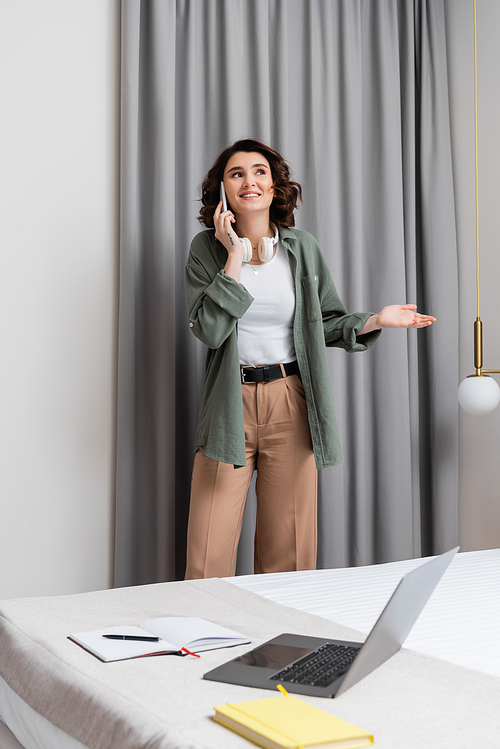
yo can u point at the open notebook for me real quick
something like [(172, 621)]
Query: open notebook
[(178, 635)]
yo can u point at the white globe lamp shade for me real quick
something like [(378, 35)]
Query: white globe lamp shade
[(479, 395)]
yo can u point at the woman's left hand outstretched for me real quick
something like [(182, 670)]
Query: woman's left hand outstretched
[(403, 316), (397, 316)]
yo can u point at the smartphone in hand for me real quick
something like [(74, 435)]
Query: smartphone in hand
[(223, 197)]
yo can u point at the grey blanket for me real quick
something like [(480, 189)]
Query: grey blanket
[(162, 702)]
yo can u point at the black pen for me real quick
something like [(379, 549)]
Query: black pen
[(132, 637)]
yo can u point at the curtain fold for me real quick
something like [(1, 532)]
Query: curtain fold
[(354, 94)]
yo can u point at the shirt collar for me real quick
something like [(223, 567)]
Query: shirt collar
[(288, 234)]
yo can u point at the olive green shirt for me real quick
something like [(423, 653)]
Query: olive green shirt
[(215, 304)]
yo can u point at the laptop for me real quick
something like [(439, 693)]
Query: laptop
[(324, 667)]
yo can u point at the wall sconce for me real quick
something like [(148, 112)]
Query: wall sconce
[(478, 394)]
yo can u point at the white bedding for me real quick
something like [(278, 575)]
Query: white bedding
[(30, 730), (459, 624)]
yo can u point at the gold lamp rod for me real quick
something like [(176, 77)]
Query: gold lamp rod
[(478, 325)]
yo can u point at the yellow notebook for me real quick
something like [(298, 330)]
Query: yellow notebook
[(289, 723)]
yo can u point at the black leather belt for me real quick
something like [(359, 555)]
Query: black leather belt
[(266, 374)]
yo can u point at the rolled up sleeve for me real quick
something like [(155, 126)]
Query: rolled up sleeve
[(214, 305)]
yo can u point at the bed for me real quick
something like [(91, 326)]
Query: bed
[(442, 689)]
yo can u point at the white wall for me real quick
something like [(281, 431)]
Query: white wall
[(479, 500), (58, 252)]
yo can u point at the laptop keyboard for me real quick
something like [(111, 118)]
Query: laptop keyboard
[(321, 667)]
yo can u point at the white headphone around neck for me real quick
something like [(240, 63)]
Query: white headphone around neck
[(265, 248)]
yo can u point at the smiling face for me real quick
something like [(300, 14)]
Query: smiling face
[(248, 182)]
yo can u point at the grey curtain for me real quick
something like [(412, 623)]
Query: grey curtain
[(354, 94)]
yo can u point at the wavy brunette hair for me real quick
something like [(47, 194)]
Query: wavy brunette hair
[(286, 192)]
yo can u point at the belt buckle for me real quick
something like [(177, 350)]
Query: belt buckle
[(242, 373)]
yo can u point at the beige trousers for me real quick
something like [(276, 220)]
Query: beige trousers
[(278, 445)]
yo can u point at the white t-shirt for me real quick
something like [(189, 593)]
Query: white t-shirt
[(265, 332)]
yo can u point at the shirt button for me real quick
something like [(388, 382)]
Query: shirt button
[(315, 278), (190, 324)]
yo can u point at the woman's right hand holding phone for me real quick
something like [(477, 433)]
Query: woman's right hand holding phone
[(224, 232)]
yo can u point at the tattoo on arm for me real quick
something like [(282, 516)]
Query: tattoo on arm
[(231, 239)]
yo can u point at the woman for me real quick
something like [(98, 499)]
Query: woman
[(267, 401)]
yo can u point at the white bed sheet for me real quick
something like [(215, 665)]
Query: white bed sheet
[(460, 623), (27, 729)]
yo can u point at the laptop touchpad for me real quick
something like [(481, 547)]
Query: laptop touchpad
[(272, 656)]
